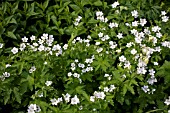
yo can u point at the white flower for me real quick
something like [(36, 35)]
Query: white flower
[(100, 34), (54, 101), (134, 14), (6, 74), (65, 46), (14, 50), (129, 44), (141, 70), (159, 35), (75, 100), (97, 43), (99, 13), (151, 72), (106, 89), (163, 13), (99, 95), (105, 20), (67, 97), (8, 65), (122, 58), (127, 64), (22, 46), (120, 35), (92, 98), (25, 39), (135, 23), (32, 108), (111, 25), (48, 83), (133, 51), (69, 74), (32, 37), (76, 23), (127, 24), (168, 111), (156, 29), (1, 45), (112, 87), (152, 80), (99, 50), (133, 31), (145, 89), (165, 18), (32, 69), (41, 48), (167, 101), (143, 22), (115, 4), (156, 63), (147, 31)]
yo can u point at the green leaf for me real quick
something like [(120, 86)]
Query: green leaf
[(7, 96), (21, 68), (11, 35), (75, 7), (45, 4), (1, 29), (17, 95), (98, 3)]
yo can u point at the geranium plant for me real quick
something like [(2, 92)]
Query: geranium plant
[(108, 65)]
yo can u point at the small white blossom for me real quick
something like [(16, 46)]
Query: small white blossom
[(25, 39), (99, 50), (106, 89), (1, 45), (120, 35), (6, 74), (48, 83), (143, 22), (135, 23), (145, 89), (32, 37), (163, 13), (54, 101), (75, 100), (133, 51), (115, 4), (167, 101), (65, 46), (122, 58), (8, 65), (14, 50), (134, 14), (100, 34), (165, 18)]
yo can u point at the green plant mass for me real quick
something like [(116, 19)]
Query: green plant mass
[(85, 56)]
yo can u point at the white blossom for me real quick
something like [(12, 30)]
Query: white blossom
[(14, 50), (48, 83), (115, 4), (134, 14), (75, 100)]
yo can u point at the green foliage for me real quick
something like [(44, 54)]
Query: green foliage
[(79, 61)]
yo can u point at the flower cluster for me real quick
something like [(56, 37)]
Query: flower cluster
[(100, 16), (4, 75), (97, 95), (33, 108), (77, 20), (45, 43), (167, 101), (75, 100), (164, 17)]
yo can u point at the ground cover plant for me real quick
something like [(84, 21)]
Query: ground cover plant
[(85, 56)]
